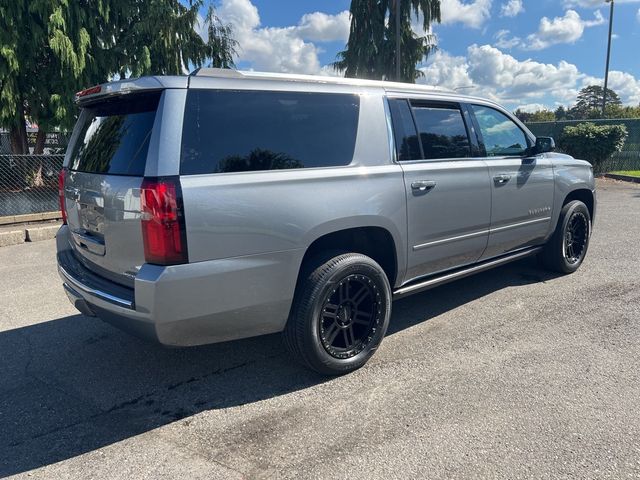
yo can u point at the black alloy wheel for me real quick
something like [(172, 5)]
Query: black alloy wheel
[(567, 248), (350, 316), (575, 237), (340, 312)]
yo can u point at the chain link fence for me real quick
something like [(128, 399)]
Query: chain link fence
[(29, 183), (54, 142), (627, 159)]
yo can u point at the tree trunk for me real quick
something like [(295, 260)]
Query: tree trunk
[(18, 136), (18, 132), (19, 146), (41, 137)]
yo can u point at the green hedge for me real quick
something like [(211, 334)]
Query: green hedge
[(591, 142)]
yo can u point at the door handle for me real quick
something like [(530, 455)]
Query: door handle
[(423, 185), (502, 178)]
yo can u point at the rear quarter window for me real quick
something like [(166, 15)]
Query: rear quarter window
[(114, 135), (237, 131)]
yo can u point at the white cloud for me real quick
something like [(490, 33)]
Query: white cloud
[(282, 49), (320, 27), (488, 72), (241, 13), (624, 84), (504, 41), (532, 107), (566, 29), (447, 71), (472, 14), (516, 79), (638, 15), (511, 8)]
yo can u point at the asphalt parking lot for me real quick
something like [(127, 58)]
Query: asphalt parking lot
[(513, 373)]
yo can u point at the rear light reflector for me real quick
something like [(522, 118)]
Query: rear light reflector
[(63, 207), (163, 227)]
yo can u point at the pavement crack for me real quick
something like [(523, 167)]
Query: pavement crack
[(123, 406)]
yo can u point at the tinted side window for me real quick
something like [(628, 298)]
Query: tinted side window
[(237, 131), (501, 136), (114, 138), (404, 130), (442, 132)]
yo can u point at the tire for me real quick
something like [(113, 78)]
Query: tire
[(567, 247), (340, 313)]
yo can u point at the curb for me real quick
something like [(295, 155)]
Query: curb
[(12, 237), (30, 217), (41, 233), (28, 233), (624, 178)]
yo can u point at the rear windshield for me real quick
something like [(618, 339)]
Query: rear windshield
[(237, 131), (114, 135)]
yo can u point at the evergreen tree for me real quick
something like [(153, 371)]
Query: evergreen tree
[(561, 113), (51, 49), (371, 49), (523, 116), (589, 102)]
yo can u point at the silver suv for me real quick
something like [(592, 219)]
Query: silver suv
[(225, 205)]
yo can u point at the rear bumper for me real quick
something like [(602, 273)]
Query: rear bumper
[(192, 304)]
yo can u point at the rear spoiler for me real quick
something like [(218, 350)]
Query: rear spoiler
[(125, 87)]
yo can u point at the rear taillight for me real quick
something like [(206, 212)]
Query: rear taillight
[(63, 208), (163, 228)]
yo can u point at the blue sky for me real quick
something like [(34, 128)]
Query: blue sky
[(523, 53)]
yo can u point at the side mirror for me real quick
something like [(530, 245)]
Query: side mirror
[(544, 145)]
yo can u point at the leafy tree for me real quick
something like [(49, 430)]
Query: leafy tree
[(590, 100), (618, 111), (522, 115), (371, 49), (543, 115), (50, 49)]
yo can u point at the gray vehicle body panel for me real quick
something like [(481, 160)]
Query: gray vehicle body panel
[(247, 232), (447, 225)]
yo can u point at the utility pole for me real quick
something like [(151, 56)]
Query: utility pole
[(606, 71), (398, 40)]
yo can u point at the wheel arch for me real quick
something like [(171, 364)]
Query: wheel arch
[(372, 240), (585, 196)]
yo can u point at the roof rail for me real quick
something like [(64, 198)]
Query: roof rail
[(294, 77), (216, 72)]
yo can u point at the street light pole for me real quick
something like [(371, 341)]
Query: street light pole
[(606, 72), (397, 40)]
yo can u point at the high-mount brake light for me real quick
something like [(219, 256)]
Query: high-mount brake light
[(89, 91), (163, 228)]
